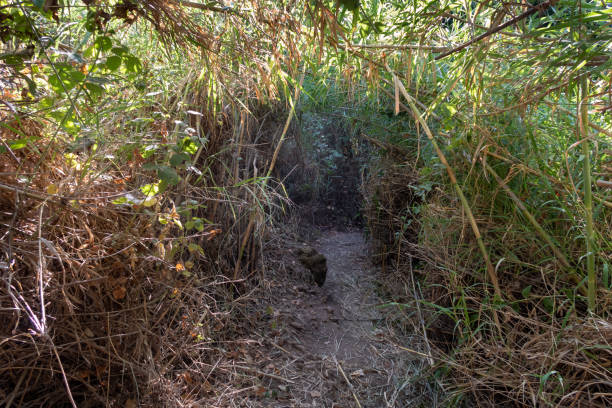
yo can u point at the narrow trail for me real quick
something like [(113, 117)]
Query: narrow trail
[(338, 321), (334, 346)]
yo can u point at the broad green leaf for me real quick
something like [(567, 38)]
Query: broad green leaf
[(167, 175), (132, 64), (150, 189), (120, 51), (113, 62), (178, 159), (94, 89), (103, 43), (18, 144), (189, 146)]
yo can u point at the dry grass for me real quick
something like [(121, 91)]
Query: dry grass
[(101, 302), (557, 359)]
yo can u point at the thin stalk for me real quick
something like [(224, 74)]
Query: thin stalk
[(453, 179), (583, 123), (539, 229), (583, 134)]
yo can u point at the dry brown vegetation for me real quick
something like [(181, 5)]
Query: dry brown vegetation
[(485, 220), (110, 303), (107, 299), (538, 355)]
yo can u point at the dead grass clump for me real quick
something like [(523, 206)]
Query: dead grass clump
[(101, 304), (538, 364), (549, 353)]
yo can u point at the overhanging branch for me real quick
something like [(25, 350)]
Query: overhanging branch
[(491, 31)]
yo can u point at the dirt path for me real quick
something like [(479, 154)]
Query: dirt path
[(333, 346), (338, 319)]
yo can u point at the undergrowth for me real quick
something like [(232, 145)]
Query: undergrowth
[(142, 144), (537, 344), (130, 171)]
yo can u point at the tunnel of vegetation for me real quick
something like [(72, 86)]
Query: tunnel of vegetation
[(151, 150)]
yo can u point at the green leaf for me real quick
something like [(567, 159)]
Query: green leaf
[(132, 64), (120, 200), (167, 175), (195, 248), (19, 144), (178, 159), (113, 62), (103, 43), (89, 52), (195, 223), (66, 79), (525, 292), (150, 189), (94, 89), (13, 59), (189, 146), (120, 51), (350, 4), (548, 304)]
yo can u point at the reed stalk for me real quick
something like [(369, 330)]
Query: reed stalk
[(539, 229), (451, 174), (583, 137), (583, 129)]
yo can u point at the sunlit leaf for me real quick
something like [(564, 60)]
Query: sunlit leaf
[(113, 62), (18, 144), (132, 64), (103, 43)]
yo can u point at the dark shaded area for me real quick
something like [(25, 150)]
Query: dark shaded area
[(321, 167)]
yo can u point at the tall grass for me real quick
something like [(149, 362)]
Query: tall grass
[(500, 113), (128, 180)]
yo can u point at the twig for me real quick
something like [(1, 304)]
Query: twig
[(422, 321), (399, 47), (604, 184), (43, 318), (64, 377), (61, 200), (256, 371), (12, 395), (406, 108), (208, 7), (494, 30), (387, 146), (8, 148), (348, 382)]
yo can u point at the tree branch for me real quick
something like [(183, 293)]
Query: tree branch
[(491, 31)]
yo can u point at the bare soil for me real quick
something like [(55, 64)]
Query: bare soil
[(333, 346)]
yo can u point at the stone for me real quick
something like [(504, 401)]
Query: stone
[(314, 262)]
